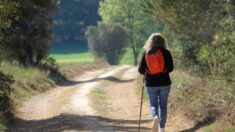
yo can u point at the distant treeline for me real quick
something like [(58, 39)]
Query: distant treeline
[(72, 19)]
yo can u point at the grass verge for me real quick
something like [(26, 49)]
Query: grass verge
[(70, 70), (28, 81), (207, 102)]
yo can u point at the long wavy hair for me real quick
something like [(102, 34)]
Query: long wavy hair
[(155, 40)]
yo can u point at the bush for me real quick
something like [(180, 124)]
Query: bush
[(107, 41), (5, 100), (5, 91), (219, 55), (206, 102), (28, 38)]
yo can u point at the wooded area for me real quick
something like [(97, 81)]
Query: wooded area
[(72, 19), (204, 30), (138, 23), (201, 36)]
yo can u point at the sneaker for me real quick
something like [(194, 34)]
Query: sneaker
[(161, 129), (155, 124)]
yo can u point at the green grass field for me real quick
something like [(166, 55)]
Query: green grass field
[(71, 53), (73, 58)]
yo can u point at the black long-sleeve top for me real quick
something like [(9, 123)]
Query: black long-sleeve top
[(162, 79)]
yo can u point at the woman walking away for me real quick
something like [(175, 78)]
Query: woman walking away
[(156, 64)]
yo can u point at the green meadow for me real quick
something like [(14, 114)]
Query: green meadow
[(71, 53), (74, 53), (73, 58)]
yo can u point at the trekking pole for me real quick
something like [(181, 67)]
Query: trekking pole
[(141, 103)]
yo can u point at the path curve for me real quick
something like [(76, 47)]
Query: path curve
[(67, 108)]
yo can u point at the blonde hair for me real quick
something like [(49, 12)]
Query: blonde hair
[(155, 40)]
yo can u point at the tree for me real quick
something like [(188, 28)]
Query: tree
[(194, 21), (7, 11), (188, 17), (5, 92), (72, 19), (107, 41), (28, 39), (138, 23), (205, 30)]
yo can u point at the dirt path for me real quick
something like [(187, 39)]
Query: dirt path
[(69, 108)]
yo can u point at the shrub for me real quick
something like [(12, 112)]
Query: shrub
[(5, 100), (219, 55), (208, 101), (107, 41), (28, 38)]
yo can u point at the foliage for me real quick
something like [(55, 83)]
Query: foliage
[(193, 21), (73, 18), (202, 35), (138, 23), (219, 55), (108, 41), (5, 100), (5, 91), (195, 24), (27, 40), (7, 11), (194, 18)]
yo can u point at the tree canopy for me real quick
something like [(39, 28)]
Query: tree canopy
[(107, 41), (205, 30), (28, 38), (7, 11), (138, 23), (72, 19)]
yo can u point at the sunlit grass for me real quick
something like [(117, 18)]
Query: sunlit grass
[(68, 53), (28, 81), (72, 53), (73, 58), (98, 94)]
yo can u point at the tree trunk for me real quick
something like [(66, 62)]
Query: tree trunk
[(134, 52), (135, 58)]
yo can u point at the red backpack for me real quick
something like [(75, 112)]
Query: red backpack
[(155, 62)]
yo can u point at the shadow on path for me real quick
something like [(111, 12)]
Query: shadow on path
[(199, 125), (77, 123), (110, 78)]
